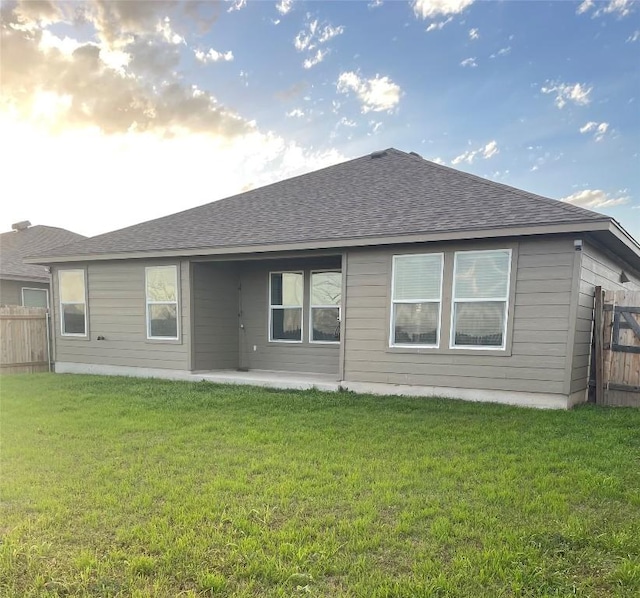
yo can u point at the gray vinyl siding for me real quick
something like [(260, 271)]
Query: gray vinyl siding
[(116, 310), (11, 290), (254, 302), (215, 316), (536, 355), (598, 268)]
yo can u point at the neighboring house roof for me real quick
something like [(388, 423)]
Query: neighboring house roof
[(17, 244), (384, 197)]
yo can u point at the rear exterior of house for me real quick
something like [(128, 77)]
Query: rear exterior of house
[(501, 316)]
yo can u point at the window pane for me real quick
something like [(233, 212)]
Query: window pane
[(161, 283), (71, 286), (479, 324), (34, 298), (480, 275), (417, 277), (287, 289), (73, 318), (163, 321), (415, 323), (326, 288), (326, 324), (286, 324)]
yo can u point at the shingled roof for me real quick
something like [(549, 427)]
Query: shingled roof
[(382, 195), (18, 244)]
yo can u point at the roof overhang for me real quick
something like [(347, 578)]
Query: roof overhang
[(603, 229), (20, 277)]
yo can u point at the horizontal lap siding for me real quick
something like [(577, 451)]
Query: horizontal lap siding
[(117, 311), (598, 269), (288, 357), (540, 326), (215, 313)]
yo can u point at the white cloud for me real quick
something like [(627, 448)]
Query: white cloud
[(621, 8), (236, 5), (296, 113), (316, 59), (213, 56), (428, 9), (437, 160), (170, 36), (501, 52), (345, 122), (437, 25), (474, 34), (595, 198), (576, 93), (485, 152), (599, 130), (378, 94), (312, 36), (329, 32), (284, 6), (634, 37), (470, 62)]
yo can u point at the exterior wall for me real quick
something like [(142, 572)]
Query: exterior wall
[(254, 301), (597, 268), (215, 316), (116, 310), (537, 352), (11, 290)]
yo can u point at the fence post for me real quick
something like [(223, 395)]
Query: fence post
[(598, 314)]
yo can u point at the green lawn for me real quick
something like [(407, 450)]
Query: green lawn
[(125, 487)]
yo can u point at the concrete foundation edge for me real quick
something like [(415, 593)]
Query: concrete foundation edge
[(518, 398), (271, 380)]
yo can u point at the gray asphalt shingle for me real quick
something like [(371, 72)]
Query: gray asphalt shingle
[(35, 240), (394, 194)]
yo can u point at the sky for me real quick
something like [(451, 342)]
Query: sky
[(118, 112)]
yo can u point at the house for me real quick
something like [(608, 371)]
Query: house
[(385, 274), (28, 284)]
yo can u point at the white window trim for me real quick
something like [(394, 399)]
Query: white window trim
[(272, 307), (413, 301), (312, 307), (34, 289), (149, 302), (62, 304), (504, 300)]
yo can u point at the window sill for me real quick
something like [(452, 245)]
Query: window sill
[(449, 351)]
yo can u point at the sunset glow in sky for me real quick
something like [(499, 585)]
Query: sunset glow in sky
[(117, 112)]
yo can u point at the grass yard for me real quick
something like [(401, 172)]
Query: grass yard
[(125, 487)]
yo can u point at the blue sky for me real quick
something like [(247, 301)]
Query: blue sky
[(112, 113)]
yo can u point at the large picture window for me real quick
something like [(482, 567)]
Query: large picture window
[(416, 299), (326, 295), (286, 293), (73, 306), (162, 302), (480, 299)]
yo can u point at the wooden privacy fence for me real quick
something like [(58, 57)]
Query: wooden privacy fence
[(617, 347), (24, 339)]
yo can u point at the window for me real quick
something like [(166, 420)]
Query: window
[(162, 302), (326, 294), (73, 307), (480, 299), (35, 297), (415, 300), (286, 292)]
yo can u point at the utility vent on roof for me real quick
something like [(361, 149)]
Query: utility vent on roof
[(416, 154), (379, 154), (24, 225)]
